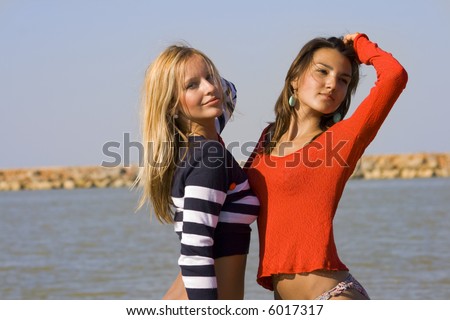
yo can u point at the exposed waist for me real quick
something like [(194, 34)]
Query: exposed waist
[(307, 285)]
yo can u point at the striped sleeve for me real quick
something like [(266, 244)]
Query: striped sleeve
[(204, 195), (228, 106)]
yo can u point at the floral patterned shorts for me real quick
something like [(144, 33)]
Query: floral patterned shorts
[(348, 283)]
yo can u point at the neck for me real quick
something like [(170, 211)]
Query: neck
[(206, 130), (302, 126)]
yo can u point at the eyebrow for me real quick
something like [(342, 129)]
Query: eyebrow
[(188, 80), (330, 67)]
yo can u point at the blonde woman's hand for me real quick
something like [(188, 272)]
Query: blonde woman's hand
[(350, 37)]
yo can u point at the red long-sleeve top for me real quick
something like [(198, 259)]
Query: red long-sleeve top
[(299, 193)]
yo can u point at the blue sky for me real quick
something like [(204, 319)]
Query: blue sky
[(71, 71)]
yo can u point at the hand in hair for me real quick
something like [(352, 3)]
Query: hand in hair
[(348, 38)]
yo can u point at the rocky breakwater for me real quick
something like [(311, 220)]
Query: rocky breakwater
[(403, 166), (399, 166), (66, 178)]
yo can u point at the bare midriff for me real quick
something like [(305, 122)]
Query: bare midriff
[(306, 286)]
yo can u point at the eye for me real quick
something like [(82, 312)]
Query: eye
[(345, 80), (210, 78), (191, 85), (322, 71)]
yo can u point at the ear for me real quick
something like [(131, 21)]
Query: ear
[(182, 115), (294, 84), (174, 111)]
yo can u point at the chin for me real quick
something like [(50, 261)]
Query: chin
[(218, 113), (212, 115)]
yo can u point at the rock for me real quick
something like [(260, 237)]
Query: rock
[(425, 173), (4, 186), (15, 186), (442, 173), (102, 183), (374, 174), (390, 174), (407, 173), (69, 184), (415, 160), (119, 183)]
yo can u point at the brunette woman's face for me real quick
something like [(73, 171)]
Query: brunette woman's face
[(200, 98), (324, 84)]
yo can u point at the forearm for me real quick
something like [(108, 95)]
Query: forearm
[(391, 80)]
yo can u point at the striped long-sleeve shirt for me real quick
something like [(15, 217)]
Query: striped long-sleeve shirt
[(214, 207), (229, 103)]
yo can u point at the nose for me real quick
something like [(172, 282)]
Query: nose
[(331, 82), (208, 86)]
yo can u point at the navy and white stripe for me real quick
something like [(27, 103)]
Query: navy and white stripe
[(211, 219), (228, 105)]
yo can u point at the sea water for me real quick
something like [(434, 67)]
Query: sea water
[(92, 244)]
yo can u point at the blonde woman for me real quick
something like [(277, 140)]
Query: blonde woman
[(190, 178)]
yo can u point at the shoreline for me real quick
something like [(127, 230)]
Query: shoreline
[(370, 167)]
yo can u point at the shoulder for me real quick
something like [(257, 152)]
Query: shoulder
[(264, 139), (203, 158), (207, 152), (207, 166), (266, 136)]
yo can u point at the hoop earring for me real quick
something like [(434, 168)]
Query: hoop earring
[(337, 117), (292, 101)]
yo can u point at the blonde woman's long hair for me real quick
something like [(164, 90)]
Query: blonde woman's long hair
[(163, 134)]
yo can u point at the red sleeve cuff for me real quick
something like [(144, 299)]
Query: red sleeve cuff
[(358, 44), (359, 36)]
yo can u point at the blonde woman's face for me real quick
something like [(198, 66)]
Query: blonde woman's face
[(201, 99)]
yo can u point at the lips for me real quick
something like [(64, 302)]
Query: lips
[(328, 96), (211, 101)]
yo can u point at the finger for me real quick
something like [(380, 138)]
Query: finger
[(350, 37)]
